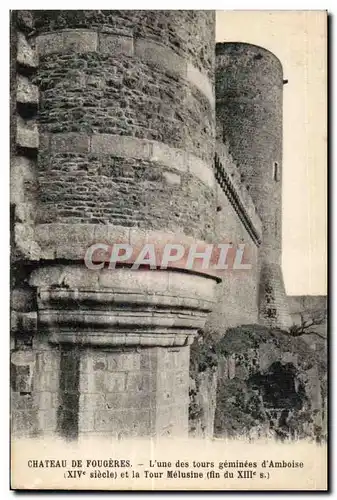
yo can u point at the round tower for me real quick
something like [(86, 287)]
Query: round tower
[(126, 123), (249, 95)]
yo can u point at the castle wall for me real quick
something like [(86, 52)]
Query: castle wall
[(249, 103), (237, 294), (126, 113), (113, 141), (236, 222)]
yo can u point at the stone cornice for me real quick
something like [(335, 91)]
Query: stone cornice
[(121, 307)]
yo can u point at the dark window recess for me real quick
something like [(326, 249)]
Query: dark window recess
[(276, 171)]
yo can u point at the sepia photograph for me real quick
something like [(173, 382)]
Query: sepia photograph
[(168, 250)]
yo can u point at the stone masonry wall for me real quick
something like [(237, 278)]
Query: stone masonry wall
[(126, 113), (114, 125), (249, 96), (32, 383), (237, 295), (124, 393), (249, 109), (236, 222)]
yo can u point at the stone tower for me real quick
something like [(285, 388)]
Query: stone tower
[(113, 141), (249, 95)]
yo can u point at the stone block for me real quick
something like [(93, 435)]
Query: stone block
[(108, 421), (22, 401), (171, 420), (26, 92), (67, 41), (171, 178), (86, 421), (23, 422), (201, 82), (46, 381), (141, 382), (24, 321), (23, 299), (22, 173), (47, 420), (27, 134), (160, 56), (89, 402), (115, 382), (26, 55), (127, 147), (48, 361), (21, 377), (25, 212), (49, 43), (168, 156), (171, 359), (115, 45), (70, 143), (80, 41), (45, 400), (148, 359), (129, 400), (124, 423), (123, 361), (201, 170)]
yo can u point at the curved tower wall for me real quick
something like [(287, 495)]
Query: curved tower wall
[(249, 95), (123, 153), (127, 119)]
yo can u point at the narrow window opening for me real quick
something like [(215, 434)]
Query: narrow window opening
[(276, 171)]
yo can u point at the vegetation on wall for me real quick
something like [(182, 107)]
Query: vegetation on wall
[(260, 395)]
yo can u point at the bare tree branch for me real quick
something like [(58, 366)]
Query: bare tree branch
[(304, 328)]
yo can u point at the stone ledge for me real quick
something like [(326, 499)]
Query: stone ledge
[(121, 280), (71, 241), (161, 57), (140, 339), (115, 45), (69, 143), (75, 299), (131, 147), (201, 82), (117, 145), (149, 51), (67, 41)]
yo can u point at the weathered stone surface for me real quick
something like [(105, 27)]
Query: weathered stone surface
[(161, 57), (27, 135), (70, 143), (26, 55), (202, 82), (26, 92), (115, 45), (67, 41), (24, 238), (131, 397), (178, 30), (127, 125)]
